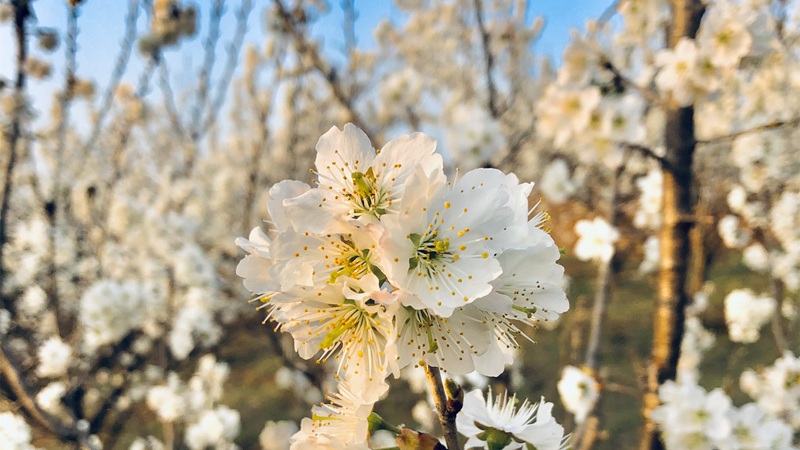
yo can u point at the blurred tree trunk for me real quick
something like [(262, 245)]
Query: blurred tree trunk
[(675, 242)]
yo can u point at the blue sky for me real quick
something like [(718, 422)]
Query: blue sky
[(102, 24)]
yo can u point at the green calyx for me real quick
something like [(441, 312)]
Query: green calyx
[(495, 439), (376, 423)]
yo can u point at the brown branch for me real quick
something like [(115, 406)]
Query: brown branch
[(447, 418), (11, 374), (53, 206), (764, 127), (584, 437), (625, 80), (777, 328), (488, 60), (604, 278), (622, 389), (13, 134), (328, 73), (647, 153)]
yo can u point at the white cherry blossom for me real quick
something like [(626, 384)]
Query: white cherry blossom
[(356, 181), (501, 421), (340, 424)]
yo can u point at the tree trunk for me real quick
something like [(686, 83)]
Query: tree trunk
[(678, 217)]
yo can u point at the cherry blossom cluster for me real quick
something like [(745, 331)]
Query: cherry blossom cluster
[(692, 418), (384, 264), (776, 388)]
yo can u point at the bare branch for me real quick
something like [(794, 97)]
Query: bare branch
[(210, 47), (65, 99), (777, 328), (350, 15), (124, 56), (488, 61), (447, 417), (608, 13), (328, 73), (169, 97), (263, 110), (54, 204), (234, 49), (605, 274), (646, 152), (11, 375), (624, 80), (13, 134), (765, 127), (622, 389), (601, 298)]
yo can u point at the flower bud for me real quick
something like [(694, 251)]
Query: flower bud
[(455, 395)]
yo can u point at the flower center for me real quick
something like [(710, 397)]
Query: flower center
[(430, 249), (352, 262), (368, 196)]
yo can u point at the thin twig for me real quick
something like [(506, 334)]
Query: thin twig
[(124, 56), (11, 376), (54, 205), (625, 80), (349, 26), (488, 60), (777, 328), (608, 13), (328, 73), (209, 56), (646, 152), (169, 97), (142, 88), (447, 419), (622, 389), (765, 127), (582, 437), (263, 111), (234, 49)]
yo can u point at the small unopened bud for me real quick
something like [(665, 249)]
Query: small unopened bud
[(84, 89), (149, 44), (48, 40), (455, 395), (6, 12), (37, 68), (188, 22), (414, 440)]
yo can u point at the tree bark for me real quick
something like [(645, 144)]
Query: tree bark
[(675, 242)]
